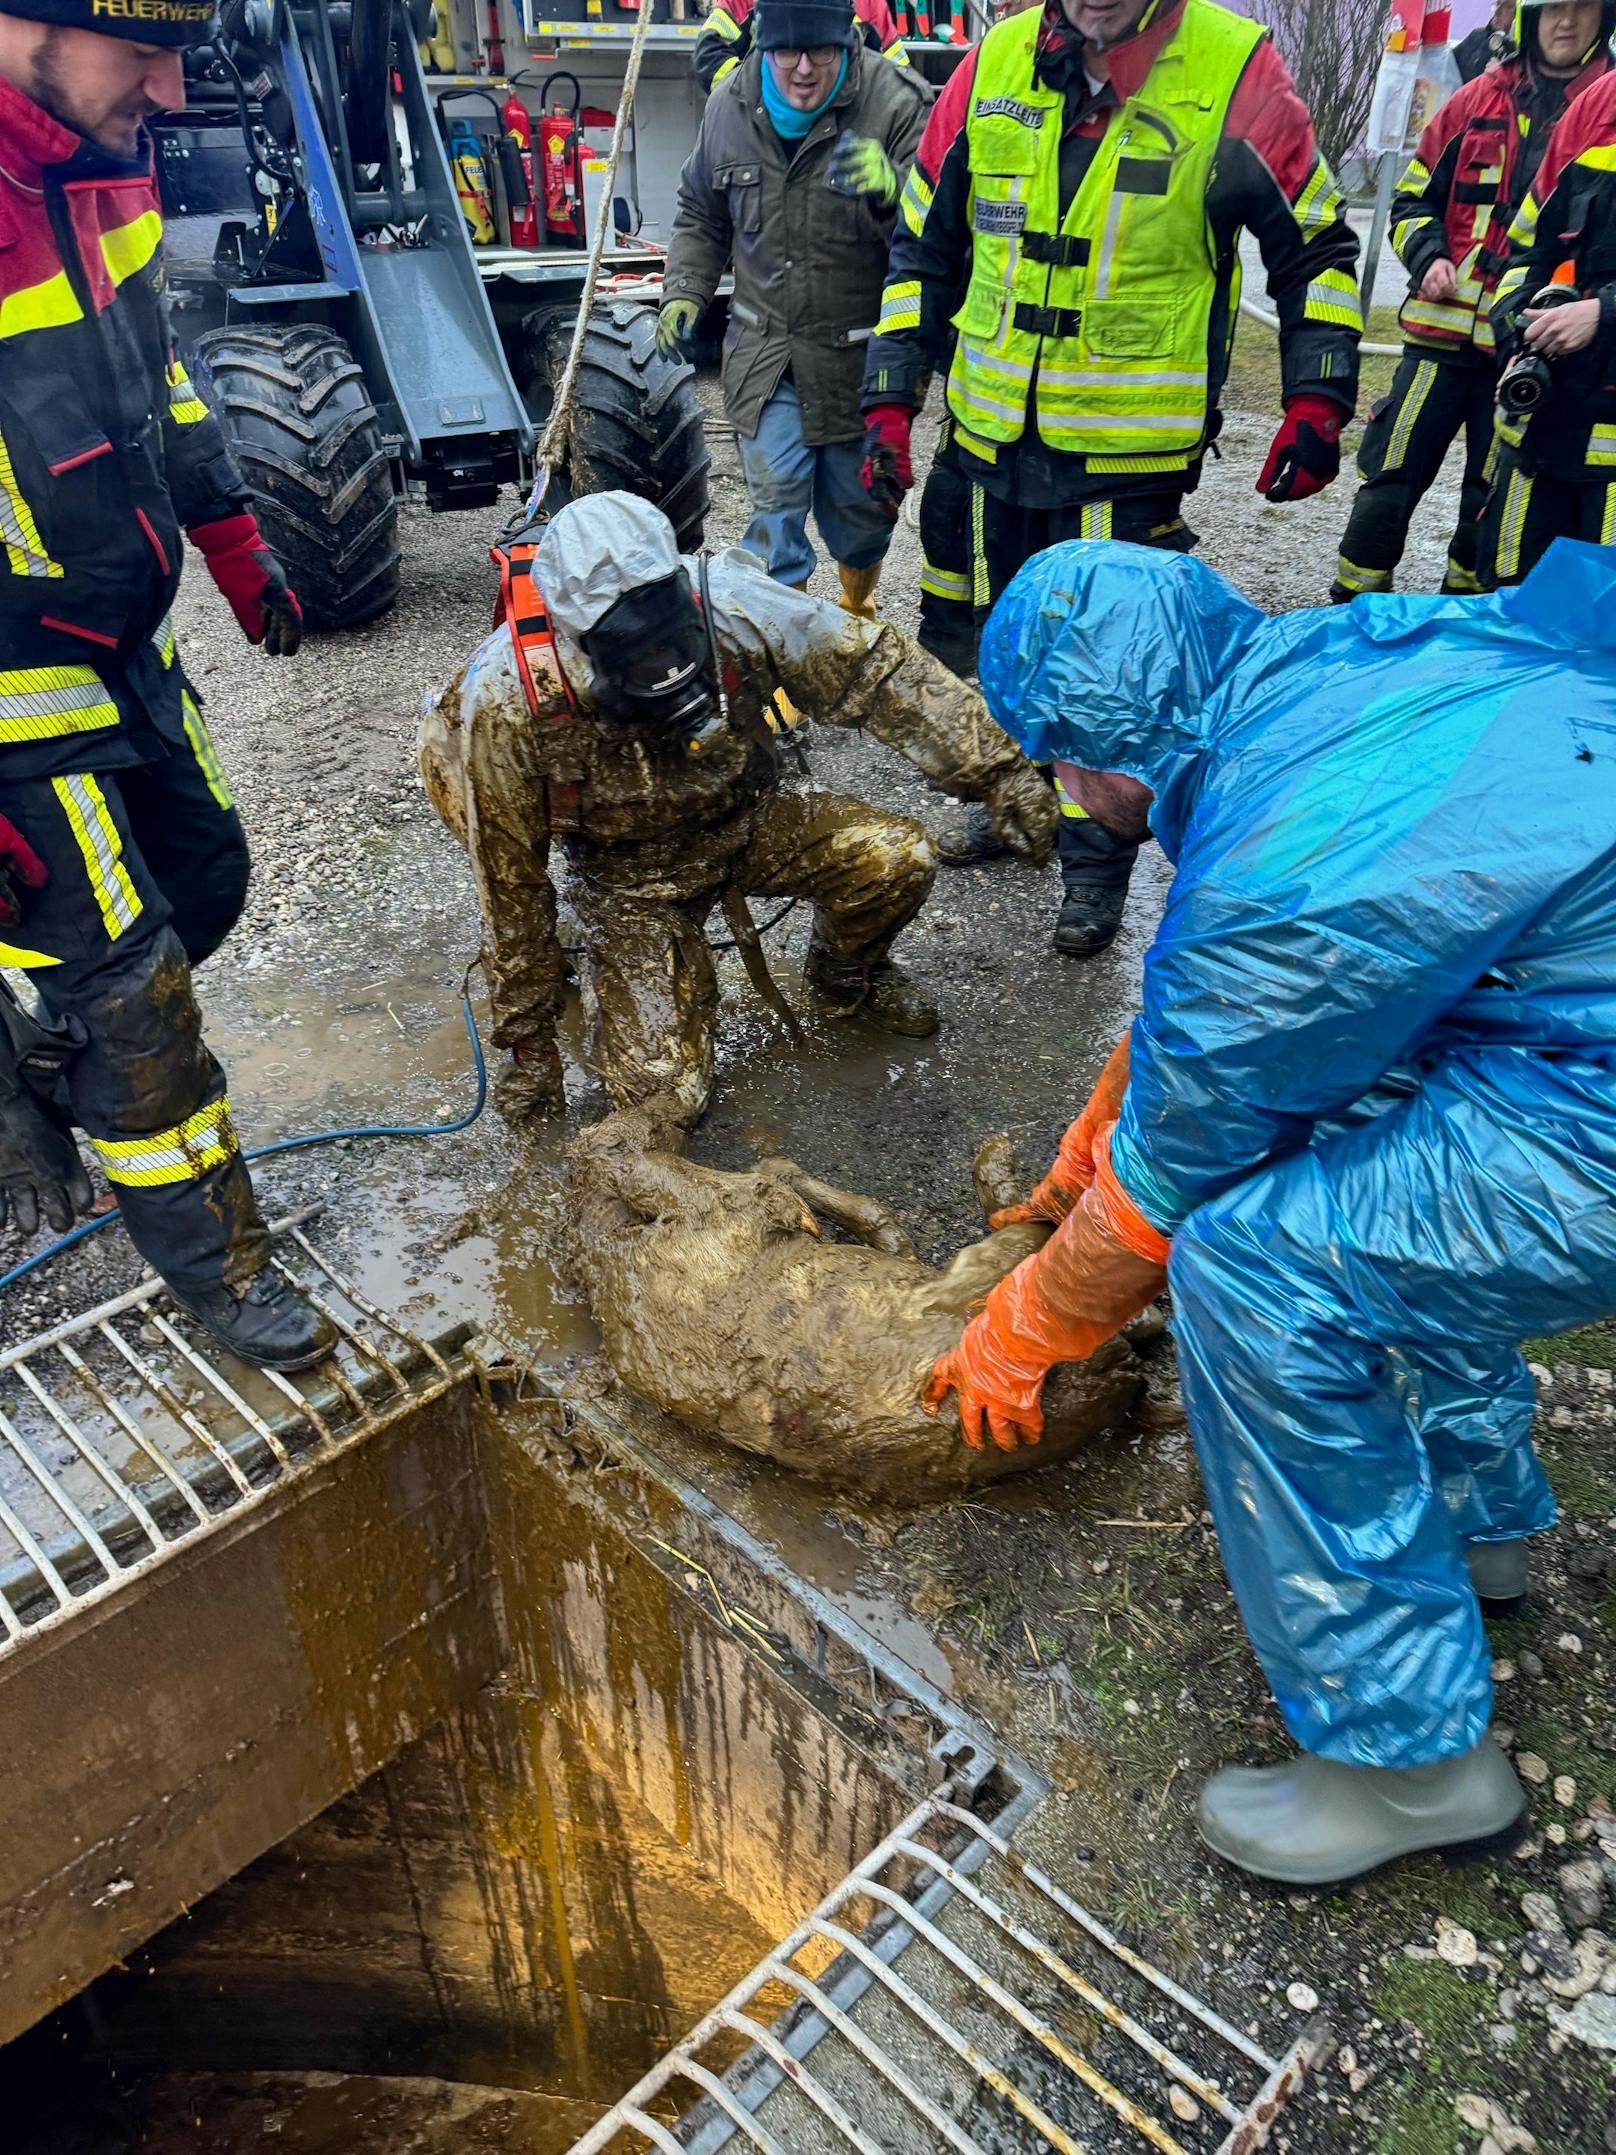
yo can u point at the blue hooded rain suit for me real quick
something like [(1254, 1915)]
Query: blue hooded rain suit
[(1373, 1083)]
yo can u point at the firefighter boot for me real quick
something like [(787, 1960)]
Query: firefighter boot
[(267, 1321), (858, 589), (971, 840), (1095, 867), (872, 988), (1319, 1822)]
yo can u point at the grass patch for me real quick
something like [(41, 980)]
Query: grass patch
[(1412, 1898), (1433, 1998), (1567, 1751), (1584, 1481), (1421, 2125), (1591, 1346)]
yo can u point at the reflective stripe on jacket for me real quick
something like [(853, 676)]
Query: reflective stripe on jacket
[(106, 452), (1107, 310)]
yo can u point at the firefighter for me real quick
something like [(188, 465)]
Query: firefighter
[(1554, 467), (122, 859), (1066, 251), (1449, 223), (795, 178), (621, 708), (1487, 43), (726, 37)]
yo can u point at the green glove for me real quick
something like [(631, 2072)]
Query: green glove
[(859, 166), (676, 325)]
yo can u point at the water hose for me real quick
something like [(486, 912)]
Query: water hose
[(296, 1144)]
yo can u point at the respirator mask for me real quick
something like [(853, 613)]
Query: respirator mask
[(655, 661)]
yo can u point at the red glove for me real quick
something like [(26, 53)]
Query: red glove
[(1306, 452), (1103, 1265), (1073, 1171), (19, 863), (254, 582), (888, 473)]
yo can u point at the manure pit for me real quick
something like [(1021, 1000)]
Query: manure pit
[(404, 1759)]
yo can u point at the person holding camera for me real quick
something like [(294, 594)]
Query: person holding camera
[(1469, 175), (1554, 465)]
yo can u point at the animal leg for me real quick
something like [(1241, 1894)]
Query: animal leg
[(866, 1219)]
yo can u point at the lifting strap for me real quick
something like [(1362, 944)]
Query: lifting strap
[(520, 607)]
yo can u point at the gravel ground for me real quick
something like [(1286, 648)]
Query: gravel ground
[(1117, 1661)]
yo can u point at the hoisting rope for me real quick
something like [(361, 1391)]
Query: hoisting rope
[(554, 442)]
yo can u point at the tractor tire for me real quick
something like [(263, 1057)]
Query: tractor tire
[(307, 437), (637, 421)]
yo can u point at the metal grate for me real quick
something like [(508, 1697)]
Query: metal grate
[(123, 1439), (976, 2007)]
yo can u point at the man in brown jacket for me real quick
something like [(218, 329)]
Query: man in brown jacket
[(795, 176)]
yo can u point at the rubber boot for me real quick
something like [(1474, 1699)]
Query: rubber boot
[(1090, 915), (970, 841), (1316, 1822), (1498, 1573), (268, 1321), (875, 989), (858, 589)]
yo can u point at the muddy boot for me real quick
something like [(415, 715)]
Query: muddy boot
[(1498, 1574), (1090, 915), (878, 990), (970, 841), (858, 589), (1315, 1822), (268, 1321)]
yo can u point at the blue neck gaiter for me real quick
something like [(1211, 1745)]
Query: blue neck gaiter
[(788, 123)]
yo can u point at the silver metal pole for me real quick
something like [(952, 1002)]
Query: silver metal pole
[(1385, 181)]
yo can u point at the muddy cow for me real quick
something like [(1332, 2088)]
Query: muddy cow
[(721, 1299)]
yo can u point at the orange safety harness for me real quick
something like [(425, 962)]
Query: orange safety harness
[(520, 606)]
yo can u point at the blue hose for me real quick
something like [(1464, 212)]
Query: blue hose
[(295, 1144)]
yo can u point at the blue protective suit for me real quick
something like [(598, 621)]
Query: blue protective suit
[(1373, 1082)]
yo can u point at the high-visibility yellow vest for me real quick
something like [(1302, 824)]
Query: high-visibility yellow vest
[(1109, 308)]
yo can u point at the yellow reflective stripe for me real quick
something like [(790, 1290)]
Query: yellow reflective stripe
[(183, 1154), (945, 583), (915, 200), (1521, 235), (980, 588), (130, 247), (163, 641), (39, 306), (900, 307), (1319, 203), (1460, 582), (896, 54), (726, 25), (1598, 157), (724, 67), (206, 754), (185, 407), (41, 703), (25, 550), (1067, 806), (1112, 464), (1416, 178), (1352, 578), (85, 807), (25, 960), (1607, 528), (1413, 404), (1094, 521), (1602, 444), (1333, 297), (1512, 524)]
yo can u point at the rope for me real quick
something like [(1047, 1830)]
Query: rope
[(553, 443)]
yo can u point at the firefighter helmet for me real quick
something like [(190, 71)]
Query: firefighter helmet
[(1524, 9)]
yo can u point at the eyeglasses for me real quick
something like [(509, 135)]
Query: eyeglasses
[(820, 55)]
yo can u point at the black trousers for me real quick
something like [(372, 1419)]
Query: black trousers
[(147, 873), (1431, 402), (1527, 512)]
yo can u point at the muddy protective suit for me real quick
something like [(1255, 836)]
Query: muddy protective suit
[(661, 834), (1372, 1091)]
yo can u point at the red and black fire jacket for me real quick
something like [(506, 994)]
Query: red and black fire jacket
[(1467, 179), (107, 455)]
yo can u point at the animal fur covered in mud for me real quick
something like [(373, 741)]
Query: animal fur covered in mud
[(721, 1299)]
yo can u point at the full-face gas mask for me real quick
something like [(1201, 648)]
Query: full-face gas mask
[(655, 661)]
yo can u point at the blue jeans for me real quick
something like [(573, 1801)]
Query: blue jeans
[(786, 478)]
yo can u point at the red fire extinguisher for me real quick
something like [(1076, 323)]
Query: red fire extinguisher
[(524, 218), (561, 164)]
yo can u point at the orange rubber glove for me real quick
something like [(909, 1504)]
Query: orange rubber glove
[(1103, 1265), (1073, 1170)]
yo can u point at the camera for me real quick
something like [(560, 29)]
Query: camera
[(1525, 382)]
